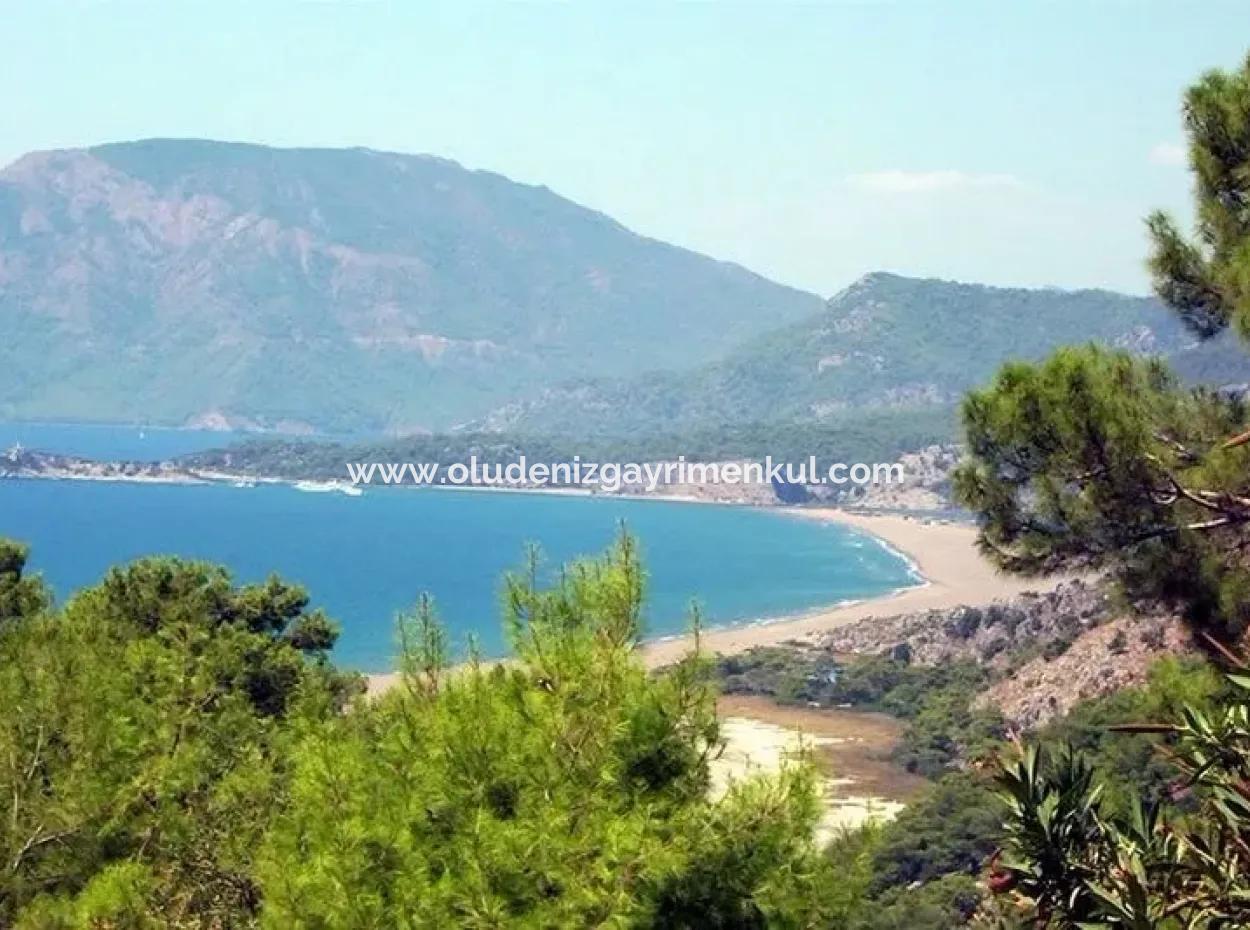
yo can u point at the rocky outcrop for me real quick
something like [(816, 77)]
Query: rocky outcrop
[(925, 487), (1116, 655), (993, 634), (1048, 651)]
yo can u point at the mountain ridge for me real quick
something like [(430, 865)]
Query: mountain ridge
[(418, 291), (194, 282), (887, 342)]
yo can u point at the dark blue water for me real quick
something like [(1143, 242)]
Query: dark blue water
[(365, 558), (107, 442)]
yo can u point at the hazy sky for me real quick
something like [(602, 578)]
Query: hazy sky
[(1009, 142)]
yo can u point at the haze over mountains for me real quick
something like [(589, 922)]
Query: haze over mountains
[(887, 343), (182, 282), (169, 281)]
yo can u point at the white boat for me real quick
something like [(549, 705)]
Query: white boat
[(322, 487), (314, 487)]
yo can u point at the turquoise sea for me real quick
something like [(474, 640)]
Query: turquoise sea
[(365, 558)]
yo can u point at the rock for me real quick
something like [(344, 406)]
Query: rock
[(1115, 655)]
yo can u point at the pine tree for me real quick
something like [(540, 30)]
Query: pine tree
[(1094, 459), (566, 787), (1207, 279), (143, 737)]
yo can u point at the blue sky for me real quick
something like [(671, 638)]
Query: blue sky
[(1008, 142)]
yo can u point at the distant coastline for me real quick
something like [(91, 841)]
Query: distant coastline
[(45, 466), (42, 466), (941, 554)]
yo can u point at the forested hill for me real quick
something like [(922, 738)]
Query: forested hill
[(886, 342), (196, 282), (180, 281)]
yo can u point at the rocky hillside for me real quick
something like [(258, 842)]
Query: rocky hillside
[(887, 343), (993, 635), (1115, 655), (194, 281), (1042, 653)]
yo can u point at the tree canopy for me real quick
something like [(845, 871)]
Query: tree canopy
[(1206, 278), (177, 751), (142, 735), (20, 596), (1095, 460)]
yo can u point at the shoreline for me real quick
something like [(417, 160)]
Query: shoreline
[(944, 556), (162, 472)]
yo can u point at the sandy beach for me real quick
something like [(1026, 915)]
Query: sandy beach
[(850, 749), (944, 553), (858, 783)]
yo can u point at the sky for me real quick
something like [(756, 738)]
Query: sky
[(1013, 143)]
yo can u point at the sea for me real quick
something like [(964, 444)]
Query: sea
[(366, 559)]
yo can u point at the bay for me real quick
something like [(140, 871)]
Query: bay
[(366, 558)]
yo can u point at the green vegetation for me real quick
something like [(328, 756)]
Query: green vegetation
[(566, 789), (143, 741), (1096, 460), (944, 729), (19, 596), (176, 751), (952, 829), (922, 866), (1093, 459), (853, 437), (887, 344), (1075, 860), (946, 902), (925, 864), (1129, 764)]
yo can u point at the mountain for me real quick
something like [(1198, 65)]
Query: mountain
[(175, 281), (887, 342)]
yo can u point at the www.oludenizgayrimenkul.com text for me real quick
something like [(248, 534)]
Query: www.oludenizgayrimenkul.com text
[(613, 476)]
